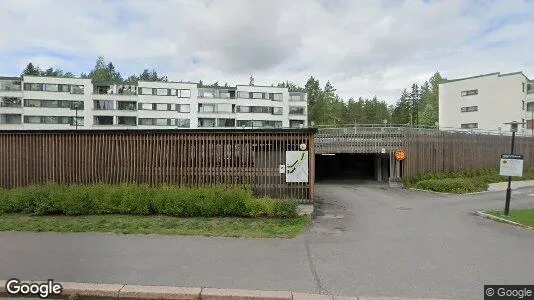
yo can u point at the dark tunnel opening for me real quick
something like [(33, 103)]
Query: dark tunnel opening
[(351, 166)]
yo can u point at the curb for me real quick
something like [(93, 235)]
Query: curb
[(134, 292), (502, 220)]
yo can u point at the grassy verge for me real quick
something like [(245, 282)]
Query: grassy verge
[(131, 224), (522, 216), (461, 182), (132, 199)]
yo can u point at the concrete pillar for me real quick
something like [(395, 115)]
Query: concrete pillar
[(378, 168)]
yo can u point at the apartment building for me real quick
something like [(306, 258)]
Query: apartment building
[(487, 102), (35, 102)]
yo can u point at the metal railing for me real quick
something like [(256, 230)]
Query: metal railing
[(352, 128)]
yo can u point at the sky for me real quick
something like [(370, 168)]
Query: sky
[(363, 47)]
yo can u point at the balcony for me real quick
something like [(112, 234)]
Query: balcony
[(10, 119), (11, 102), (297, 96), (10, 84), (211, 93), (115, 89), (127, 105)]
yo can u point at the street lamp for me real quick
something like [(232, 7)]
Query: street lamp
[(513, 129), (76, 106), (530, 107)]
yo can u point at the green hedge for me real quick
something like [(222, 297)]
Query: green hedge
[(134, 199), (461, 182)]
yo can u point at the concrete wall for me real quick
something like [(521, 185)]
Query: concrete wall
[(499, 100)]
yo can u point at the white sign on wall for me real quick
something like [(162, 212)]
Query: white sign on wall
[(511, 165), (296, 166)]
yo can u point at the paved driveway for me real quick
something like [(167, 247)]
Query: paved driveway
[(367, 240), (408, 243)]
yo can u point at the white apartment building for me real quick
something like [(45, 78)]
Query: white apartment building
[(35, 102), (487, 102)]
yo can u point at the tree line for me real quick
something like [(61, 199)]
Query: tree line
[(417, 105), (102, 72)]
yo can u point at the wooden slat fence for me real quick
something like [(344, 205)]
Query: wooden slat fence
[(191, 158), (437, 151)]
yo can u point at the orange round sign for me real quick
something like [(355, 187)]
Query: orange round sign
[(400, 154)]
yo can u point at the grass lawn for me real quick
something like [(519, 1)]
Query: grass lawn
[(523, 216), (131, 224)]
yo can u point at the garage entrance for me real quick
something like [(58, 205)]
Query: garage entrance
[(357, 166)]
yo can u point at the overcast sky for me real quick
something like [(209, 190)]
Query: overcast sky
[(364, 47)]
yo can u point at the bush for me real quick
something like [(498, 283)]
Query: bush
[(142, 200), (453, 185), (461, 182)]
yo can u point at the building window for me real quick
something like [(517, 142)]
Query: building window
[(10, 102), (225, 108), (261, 109), (523, 88), (469, 93), (469, 125), (225, 122), (172, 92), (278, 97), (243, 95), (126, 105), (144, 91), (523, 104), (278, 110), (10, 119), (257, 95), (33, 86), (128, 121), (530, 106), (206, 122), (52, 120), (469, 108), (296, 97), (77, 89), (77, 121), (144, 106), (183, 123), (185, 94), (206, 107), (156, 121), (259, 123), (255, 109), (104, 104), (51, 87), (530, 88), (53, 103), (296, 110), (103, 120), (183, 108), (296, 123)]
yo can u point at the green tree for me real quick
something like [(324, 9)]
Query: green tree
[(102, 72), (313, 90), (402, 112), (31, 70), (429, 115)]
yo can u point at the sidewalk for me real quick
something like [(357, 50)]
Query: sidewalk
[(123, 291)]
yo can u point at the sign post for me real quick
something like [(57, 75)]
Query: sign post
[(512, 166)]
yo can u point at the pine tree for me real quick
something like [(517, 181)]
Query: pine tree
[(31, 70)]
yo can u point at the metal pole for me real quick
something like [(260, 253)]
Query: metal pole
[(509, 189)]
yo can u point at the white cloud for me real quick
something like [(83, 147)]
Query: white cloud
[(365, 47)]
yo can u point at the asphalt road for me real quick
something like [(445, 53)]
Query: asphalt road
[(367, 240)]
